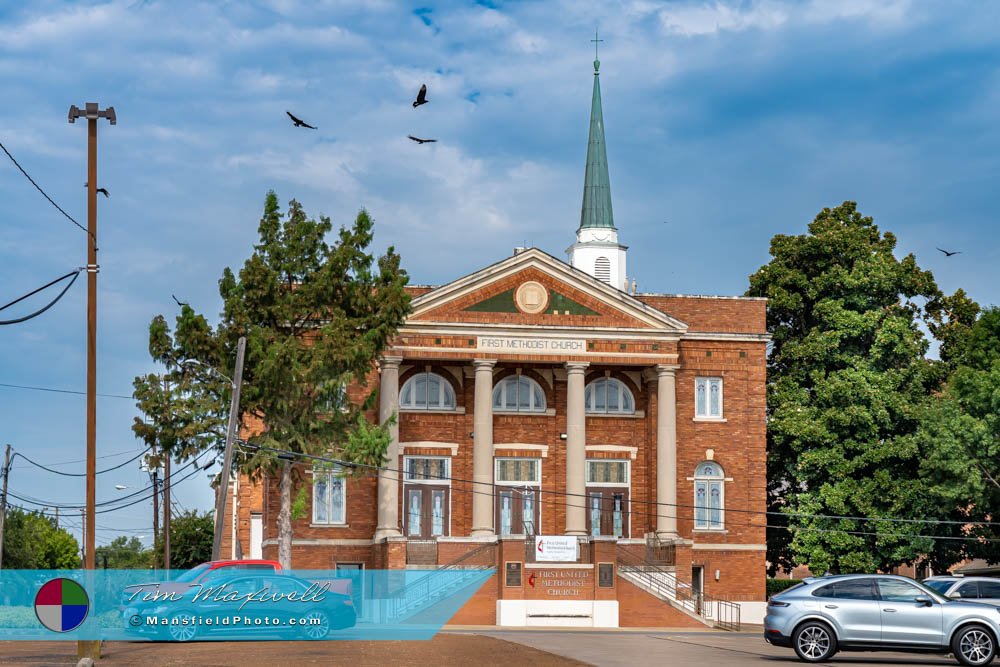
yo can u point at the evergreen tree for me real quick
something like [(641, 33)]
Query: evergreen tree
[(316, 317)]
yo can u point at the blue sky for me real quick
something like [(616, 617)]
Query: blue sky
[(731, 121)]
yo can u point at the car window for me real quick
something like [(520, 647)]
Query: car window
[(193, 573), (894, 590), (969, 590), (283, 585), (258, 566), (852, 589), (989, 589), (939, 585)]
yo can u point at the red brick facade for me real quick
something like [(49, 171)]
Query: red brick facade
[(629, 338)]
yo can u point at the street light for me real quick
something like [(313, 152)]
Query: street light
[(188, 362), (121, 487)]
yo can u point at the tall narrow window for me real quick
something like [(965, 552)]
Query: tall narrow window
[(708, 398), (518, 483), (709, 497), (427, 391), (518, 393), (329, 501), (608, 396)]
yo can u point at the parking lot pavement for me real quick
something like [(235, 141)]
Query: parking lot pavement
[(441, 650), (718, 649)]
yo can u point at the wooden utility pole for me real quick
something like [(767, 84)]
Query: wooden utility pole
[(156, 506), (3, 499), (166, 512), (92, 112), (222, 491)]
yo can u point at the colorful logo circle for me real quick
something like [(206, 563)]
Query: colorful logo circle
[(61, 605)]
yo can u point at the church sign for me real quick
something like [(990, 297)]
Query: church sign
[(531, 345), (556, 548), (561, 584)]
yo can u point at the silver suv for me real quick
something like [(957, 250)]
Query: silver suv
[(972, 589), (875, 612)]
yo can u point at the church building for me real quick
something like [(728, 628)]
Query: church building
[(602, 449)]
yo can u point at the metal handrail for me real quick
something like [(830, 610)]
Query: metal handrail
[(725, 612), (421, 588)]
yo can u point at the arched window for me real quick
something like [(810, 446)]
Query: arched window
[(518, 393), (609, 396), (709, 496), (602, 269), (427, 391)]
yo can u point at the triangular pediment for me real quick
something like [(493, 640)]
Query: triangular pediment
[(534, 288)]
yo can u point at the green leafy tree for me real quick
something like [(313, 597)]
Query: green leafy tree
[(961, 434), (316, 316), (848, 381), (124, 553), (191, 537), (33, 542)]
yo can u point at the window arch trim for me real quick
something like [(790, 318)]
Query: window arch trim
[(507, 395), (427, 390), (598, 397), (709, 496)]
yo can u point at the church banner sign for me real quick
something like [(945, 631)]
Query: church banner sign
[(531, 345), (556, 548)]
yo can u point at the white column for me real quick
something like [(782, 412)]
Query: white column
[(482, 449), (388, 476), (666, 452), (576, 449)]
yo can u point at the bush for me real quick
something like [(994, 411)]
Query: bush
[(775, 586)]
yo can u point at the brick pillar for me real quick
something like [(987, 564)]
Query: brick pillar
[(388, 477), (666, 452), (482, 449), (576, 452)]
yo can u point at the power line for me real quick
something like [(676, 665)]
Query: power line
[(75, 274), (348, 464), (105, 456), (39, 188), (59, 391), (46, 504), (79, 474)]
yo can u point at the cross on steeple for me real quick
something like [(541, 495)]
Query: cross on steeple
[(596, 41)]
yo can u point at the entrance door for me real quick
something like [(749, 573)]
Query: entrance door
[(697, 584), (426, 511), (517, 511), (607, 512)]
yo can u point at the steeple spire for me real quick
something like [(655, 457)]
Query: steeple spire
[(596, 211)]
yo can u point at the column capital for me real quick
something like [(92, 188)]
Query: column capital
[(577, 366), (389, 361), (663, 370), (654, 373), (484, 363)]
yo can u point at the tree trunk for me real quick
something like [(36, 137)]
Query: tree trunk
[(285, 518)]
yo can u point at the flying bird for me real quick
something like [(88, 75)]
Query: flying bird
[(421, 96), (179, 303), (949, 254), (103, 191), (299, 122), (421, 141)]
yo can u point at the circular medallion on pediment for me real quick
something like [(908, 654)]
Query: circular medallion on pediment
[(531, 297)]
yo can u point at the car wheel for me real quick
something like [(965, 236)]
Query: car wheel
[(973, 645), (317, 624), (177, 631), (814, 642)]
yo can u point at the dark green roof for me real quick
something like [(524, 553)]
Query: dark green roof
[(596, 210)]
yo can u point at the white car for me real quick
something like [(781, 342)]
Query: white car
[(973, 589)]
